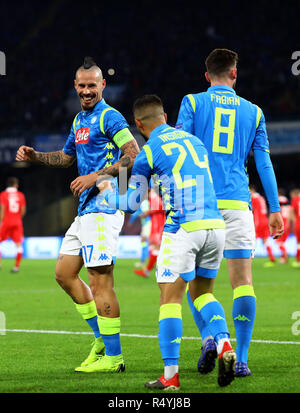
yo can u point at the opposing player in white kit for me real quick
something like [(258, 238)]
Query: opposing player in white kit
[(102, 143), (193, 238)]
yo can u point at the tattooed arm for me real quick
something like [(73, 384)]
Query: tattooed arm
[(129, 152), (56, 159)]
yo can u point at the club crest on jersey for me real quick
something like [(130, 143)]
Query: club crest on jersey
[(82, 135)]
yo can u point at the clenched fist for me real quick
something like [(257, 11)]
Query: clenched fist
[(26, 154)]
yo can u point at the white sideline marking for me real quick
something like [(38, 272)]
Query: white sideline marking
[(135, 335)]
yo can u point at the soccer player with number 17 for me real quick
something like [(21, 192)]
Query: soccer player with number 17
[(230, 127), (101, 142)]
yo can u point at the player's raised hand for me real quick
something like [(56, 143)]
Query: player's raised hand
[(276, 225), (25, 154)]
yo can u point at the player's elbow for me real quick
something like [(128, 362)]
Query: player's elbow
[(69, 160), (262, 160), (130, 151)]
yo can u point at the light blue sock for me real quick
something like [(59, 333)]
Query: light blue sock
[(112, 344), (110, 331), (243, 314), (88, 312), (212, 314), (93, 323), (170, 333), (202, 327)]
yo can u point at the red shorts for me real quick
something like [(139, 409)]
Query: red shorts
[(155, 238), (13, 231), (262, 231), (283, 238), (297, 231)]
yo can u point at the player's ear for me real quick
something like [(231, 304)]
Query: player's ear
[(233, 73), (138, 124), (165, 116), (103, 83), (207, 77)]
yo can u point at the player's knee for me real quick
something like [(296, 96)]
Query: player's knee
[(101, 278), (93, 286), (59, 278), (64, 278)]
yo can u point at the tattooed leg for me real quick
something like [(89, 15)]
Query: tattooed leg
[(102, 287)]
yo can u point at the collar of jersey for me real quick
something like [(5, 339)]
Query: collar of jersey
[(11, 189), (222, 87), (159, 129), (97, 106)]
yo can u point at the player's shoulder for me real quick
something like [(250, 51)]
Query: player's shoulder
[(197, 96), (76, 120), (103, 107)]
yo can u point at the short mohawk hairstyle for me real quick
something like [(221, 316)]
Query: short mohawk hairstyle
[(88, 62)]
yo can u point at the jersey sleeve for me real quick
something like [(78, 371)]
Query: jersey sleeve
[(185, 119), (263, 162), (69, 148), (267, 177), (114, 125), (261, 141)]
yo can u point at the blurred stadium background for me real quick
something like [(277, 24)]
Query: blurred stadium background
[(142, 47)]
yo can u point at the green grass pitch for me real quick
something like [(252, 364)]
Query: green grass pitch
[(41, 348)]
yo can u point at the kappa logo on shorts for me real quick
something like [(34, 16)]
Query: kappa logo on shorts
[(103, 257), (167, 273), (82, 135)]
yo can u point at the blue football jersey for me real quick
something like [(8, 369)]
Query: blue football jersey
[(230, 127), (94, 140), (178, 163)]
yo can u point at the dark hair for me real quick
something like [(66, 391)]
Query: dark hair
[(219, 61), (145, 101), (12, 180), (88, 62)]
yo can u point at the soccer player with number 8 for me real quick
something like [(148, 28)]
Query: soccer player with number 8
[(230, 127)]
